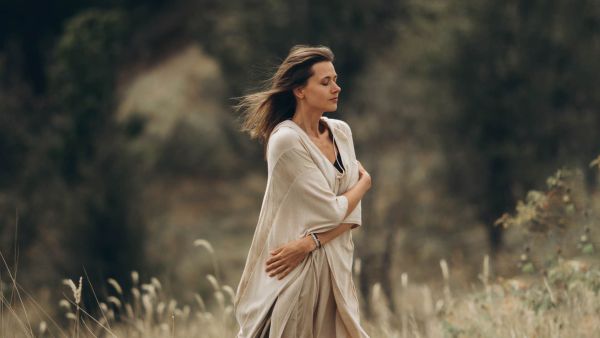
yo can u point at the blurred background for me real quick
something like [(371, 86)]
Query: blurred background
[(119, 145)]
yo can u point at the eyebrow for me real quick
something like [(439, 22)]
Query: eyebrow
[(329, 77)]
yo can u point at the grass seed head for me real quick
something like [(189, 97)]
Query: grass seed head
[(135, 277), (445, 270), (200, 302), (213, 281), (149, 289), (136, 293), (43, 327), (229, 291), (114, 300), (357, 266), (160, 308), (204, 244), (156, 283), (64, 303), (147, 303), (75, 289), (112, 282)]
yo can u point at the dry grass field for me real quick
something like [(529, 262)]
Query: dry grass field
[(553, 291), (563, 302)]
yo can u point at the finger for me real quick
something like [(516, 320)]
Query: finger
[(276, 251), (273, 259), (278, 270), (275, 265), (285, 272), (276, 257), (282, 267), (290, 267)]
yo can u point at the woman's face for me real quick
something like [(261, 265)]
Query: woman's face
[(321, 90)]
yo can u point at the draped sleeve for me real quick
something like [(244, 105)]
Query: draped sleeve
[(355, 217)]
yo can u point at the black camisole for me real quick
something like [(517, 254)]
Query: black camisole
[(338, 164)]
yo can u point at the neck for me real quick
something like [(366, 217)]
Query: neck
[(308, 120)]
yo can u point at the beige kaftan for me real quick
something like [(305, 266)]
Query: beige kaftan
[(303, 194)]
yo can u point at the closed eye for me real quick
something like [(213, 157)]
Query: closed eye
[(327, 80)]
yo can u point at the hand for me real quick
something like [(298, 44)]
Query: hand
[(287, 257), (363, 174)]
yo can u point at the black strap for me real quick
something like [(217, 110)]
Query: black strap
[(338, 164)]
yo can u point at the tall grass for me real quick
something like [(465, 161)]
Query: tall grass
[(555, 291)]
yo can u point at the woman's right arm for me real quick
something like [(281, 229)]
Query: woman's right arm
[(356, 193), (285, 258)]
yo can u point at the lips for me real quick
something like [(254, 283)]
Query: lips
[(334, 99)]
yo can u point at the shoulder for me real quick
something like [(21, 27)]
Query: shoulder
[(282, 139), (341, 126)]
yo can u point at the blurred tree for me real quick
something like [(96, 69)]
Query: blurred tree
[(94, 162), (53, 146), (28, 29), (65, 170), (525, 76), (243, 33), (251, 38), (397, 116)]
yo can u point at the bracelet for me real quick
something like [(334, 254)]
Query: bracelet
[(316, 239)]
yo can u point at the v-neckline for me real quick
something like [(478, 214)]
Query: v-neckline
[(336, 150)]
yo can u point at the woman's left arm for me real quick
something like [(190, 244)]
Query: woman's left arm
[(285, 258)]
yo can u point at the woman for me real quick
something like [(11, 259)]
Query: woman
[(297, 281)]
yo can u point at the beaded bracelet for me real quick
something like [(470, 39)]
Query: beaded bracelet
[(316, 239)]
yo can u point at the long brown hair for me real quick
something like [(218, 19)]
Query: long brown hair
[(263, 110)]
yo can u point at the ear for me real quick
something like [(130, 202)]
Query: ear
[(299, 93)]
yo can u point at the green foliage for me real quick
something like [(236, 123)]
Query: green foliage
[(73, 185), (587, 248), (83, 79), (95, 163), (554, 208), (524, 76), (528, 268), (554, 224)]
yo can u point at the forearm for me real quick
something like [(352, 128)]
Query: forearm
[(328, 236), (356, 193), (309, 244)]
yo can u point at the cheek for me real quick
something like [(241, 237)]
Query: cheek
[(321, 93), (318, 94)]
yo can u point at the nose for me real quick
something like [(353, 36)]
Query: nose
[(336, 88)]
